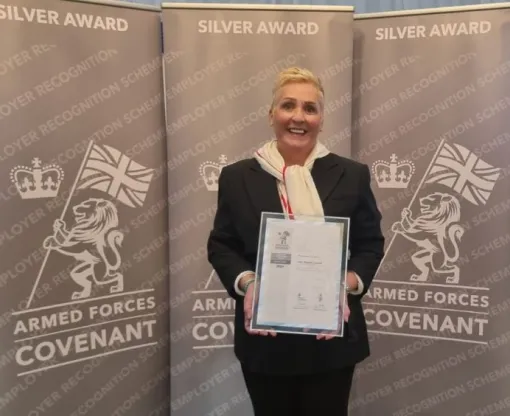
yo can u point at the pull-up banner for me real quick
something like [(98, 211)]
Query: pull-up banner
[(432, 120), (83, 248), (221, 62)]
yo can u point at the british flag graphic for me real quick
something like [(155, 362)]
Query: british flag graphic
[(108, 170), (464, 172)]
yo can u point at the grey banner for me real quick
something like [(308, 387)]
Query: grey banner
[(83, 241), (431, 119), (220, 67)]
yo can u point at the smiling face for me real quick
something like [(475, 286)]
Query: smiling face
[(296, 116)]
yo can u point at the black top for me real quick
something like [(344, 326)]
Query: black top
[(245, 191)]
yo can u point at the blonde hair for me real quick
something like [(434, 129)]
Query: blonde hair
[(298, 75)]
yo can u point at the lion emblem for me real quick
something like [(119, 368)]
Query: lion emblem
[(92, 239), (437, 234)]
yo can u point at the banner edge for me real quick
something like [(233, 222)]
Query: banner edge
[(273, 7), (435, 10), (118, 3)]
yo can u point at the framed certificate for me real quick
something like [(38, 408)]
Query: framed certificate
[(300, 274)]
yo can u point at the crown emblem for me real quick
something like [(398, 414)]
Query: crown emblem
[(38, 181), (394, 174), (210, 172)]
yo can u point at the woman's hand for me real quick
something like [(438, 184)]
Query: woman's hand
[(352, 283), (327, 336), (248, 308)]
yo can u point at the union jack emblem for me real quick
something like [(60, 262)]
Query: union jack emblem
[(464, 172), (108, 170)]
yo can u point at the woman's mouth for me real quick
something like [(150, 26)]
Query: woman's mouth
[(300, 132)]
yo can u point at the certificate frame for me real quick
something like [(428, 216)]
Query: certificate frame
[(298, 264)]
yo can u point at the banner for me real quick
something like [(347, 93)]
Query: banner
[(218, 94), (83, 241), (431, 119)]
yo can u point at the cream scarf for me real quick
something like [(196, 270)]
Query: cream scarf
[(295, 183)]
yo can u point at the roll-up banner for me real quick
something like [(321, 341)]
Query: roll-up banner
[(431, 117), (83, 247), (221, 62)]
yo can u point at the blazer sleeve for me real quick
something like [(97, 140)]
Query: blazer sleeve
[(366, 237), (224, 247)]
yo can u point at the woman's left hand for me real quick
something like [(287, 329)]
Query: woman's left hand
[(326, 335), (352, 282)]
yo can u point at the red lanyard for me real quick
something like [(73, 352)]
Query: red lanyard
[(286, 204)]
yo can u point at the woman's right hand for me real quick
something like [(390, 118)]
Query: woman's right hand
[(248, 309)]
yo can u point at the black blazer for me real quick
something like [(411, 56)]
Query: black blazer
[(245, 190)]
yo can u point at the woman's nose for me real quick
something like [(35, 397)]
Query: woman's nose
[(298, 114)]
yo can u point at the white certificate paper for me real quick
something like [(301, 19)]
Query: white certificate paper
[(301, 268)]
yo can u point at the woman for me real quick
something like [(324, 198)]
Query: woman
[(288, 374)]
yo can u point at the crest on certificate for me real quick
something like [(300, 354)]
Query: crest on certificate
[(283, 241)]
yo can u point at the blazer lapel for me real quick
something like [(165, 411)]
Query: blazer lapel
[(262, 190), (326, 173), (263, 193)]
